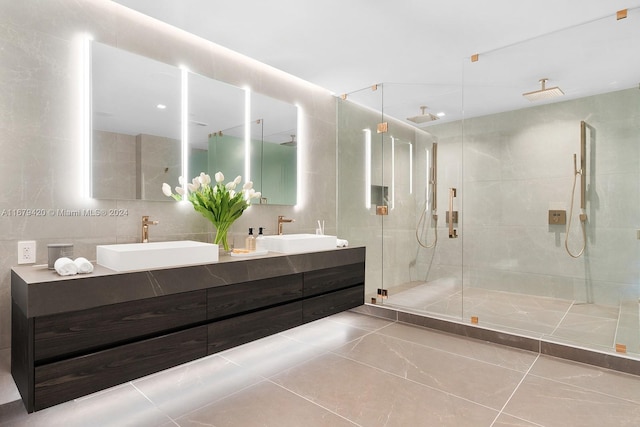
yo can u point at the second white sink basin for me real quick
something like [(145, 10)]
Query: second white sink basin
[(292, 243), (142, 256)]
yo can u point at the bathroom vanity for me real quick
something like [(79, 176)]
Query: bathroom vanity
[(75, 335)]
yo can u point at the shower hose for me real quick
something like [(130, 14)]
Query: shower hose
[(583, 219), (435, 228)]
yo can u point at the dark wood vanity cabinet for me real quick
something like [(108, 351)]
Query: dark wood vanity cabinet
[(64, 335), (66, 354)]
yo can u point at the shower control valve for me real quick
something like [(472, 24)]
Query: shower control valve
[(557, 217)]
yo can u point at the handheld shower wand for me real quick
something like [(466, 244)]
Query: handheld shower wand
[(433, 186), (583, 182)]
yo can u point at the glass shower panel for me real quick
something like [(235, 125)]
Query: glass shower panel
[(423, 266), (527, 265), (361, 190)]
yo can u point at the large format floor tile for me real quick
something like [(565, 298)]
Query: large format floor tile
[(264, 404), (118, 406), (496, 354), (371, 397), (8, 390), (191, 386), (355, 370), (484, 383), (550, 403), (613, 383)]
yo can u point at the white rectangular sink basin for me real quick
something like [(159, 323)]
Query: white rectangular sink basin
[(143, 256), (292, 243)]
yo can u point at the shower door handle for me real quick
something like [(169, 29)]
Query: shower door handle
[(452, 231)]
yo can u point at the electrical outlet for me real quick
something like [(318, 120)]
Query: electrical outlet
[(27, 252)]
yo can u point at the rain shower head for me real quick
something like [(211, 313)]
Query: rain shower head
[(423, 117), (291, 143), (544, 92)]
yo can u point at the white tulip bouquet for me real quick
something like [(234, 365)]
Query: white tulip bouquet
[(219, 203)]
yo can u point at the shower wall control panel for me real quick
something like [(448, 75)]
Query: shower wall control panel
[(557, 217)]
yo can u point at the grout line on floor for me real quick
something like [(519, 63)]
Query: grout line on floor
[(439, 390), (314, 403), (391, 322), (213, 402), (515, 390), (563, 317), (479, 341), (142, 393), (589, 389), (153, 403)]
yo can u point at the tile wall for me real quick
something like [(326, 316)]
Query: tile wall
[(40, 138)]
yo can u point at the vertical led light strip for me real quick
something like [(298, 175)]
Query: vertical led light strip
[(85, 125), (247, 134), (367, 168), (393, 173), (411, 168), (184, 130), (299, 184)]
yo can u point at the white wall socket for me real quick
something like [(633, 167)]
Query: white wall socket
[(27, 252)]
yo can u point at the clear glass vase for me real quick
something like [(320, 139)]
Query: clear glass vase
[(221, 235)]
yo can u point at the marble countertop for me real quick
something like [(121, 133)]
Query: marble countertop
[(38, 291), (41, 273)]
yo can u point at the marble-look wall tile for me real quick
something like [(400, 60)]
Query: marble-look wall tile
[(40, 137)]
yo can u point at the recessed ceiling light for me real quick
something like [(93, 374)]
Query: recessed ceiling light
[(441, 114), (161, 106)]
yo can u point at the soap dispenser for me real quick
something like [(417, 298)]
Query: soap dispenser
[(260, 240), (250, 242)]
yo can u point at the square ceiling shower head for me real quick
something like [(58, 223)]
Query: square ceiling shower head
[(423, 117), (543, 92)]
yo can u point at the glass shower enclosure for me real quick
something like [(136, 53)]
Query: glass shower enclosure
[(521, 216)]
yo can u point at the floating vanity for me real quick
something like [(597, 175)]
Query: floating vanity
[(75, 335)]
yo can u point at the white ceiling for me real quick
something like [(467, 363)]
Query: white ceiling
[(425, 45)]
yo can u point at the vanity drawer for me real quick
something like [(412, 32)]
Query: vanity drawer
[(93, 329), (238, 298), (330, 279), (68, 379), (242, 329), (325, 305)]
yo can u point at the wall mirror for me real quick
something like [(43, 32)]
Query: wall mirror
[(216, 128), (137, 131), (274, 132), (136, 125)]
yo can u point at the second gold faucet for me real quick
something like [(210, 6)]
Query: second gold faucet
[(145, 228), (282, 220)]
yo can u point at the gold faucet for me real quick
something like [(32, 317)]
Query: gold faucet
[(282, 220), (145, 228)]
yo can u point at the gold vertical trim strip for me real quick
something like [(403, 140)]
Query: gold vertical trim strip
[(621, 14), (434, 175), (583, 165)]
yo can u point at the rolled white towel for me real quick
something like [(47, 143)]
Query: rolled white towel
[(65, 267), (341, 243), (84, 266)]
